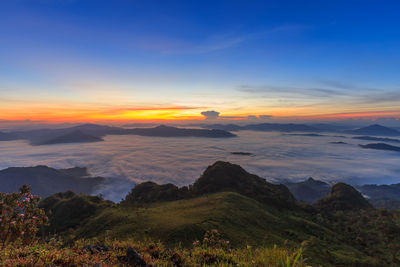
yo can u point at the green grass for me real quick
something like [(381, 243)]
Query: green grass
[(55, 253), (343, 239)]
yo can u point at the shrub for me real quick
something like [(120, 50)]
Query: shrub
[(20, 216)]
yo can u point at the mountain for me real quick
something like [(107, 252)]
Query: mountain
[(73, 137), (69, 209), (94, 133), (265, 127), (343, 197), (149, 192), (219, 177), (7, 136), (46, 181), (382, 196), (380, 139), (381, 146), (168, 131), (330, 127), (291, 127), (340, 230), (225, 127), (309, 190), (228, 177), (376, 129)]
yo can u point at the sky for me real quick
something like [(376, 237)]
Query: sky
[(140, 61)]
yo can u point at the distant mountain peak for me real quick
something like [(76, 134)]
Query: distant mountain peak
[(375, 129), (343, 197)]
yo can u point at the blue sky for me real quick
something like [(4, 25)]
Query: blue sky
[(90, 60)]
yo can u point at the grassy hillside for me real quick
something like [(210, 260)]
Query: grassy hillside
[(342, 229), (239, 219)]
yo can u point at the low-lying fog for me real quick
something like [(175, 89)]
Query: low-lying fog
[(182, 160)]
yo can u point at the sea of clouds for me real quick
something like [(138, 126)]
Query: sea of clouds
[(132, 159)]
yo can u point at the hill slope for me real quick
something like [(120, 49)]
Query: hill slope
[(310, 190), (342, 229), (46, 181), (376, 129)]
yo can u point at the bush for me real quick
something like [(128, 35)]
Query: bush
[(20, 216)]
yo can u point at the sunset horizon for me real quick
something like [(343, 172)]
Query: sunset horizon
[(66, 61)]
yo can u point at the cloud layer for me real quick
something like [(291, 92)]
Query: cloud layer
[(132, 159)]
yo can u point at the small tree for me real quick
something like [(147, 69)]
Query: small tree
[(20, 216)]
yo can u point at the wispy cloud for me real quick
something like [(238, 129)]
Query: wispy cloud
[(287, 91), (345, 86), (226, 41)]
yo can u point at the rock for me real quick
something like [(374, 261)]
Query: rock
[(133, 258), (95, 249)]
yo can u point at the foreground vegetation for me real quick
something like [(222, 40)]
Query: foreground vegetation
[(113, 253)]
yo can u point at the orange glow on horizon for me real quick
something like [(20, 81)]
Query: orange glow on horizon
[(70, 113)]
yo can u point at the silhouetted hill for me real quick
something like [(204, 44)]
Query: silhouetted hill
[(219, 177), (338, 143), (168, 131), (69, 210), (93, 133), (343, 197), (225, 127), (382, 196), (330, 127), (309, 135), (291, 127), (73, 137), (149, 192), (309, 190), (375, 129), (7, 136), (265, 127), (371, 138), (228, 177), (46, 181), (381, 146)]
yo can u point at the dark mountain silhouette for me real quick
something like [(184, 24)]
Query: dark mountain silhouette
[(265, 127), (73, 137), (376, 129), (149, 192), (310, 135), (227, 177), (381, 146), (371, 138), (69, 209), (168, 131), (94, 133), (7, 136), (46, 181), (382, 196), (225, 127), (291, 127), (330, 127), (219, 177), (242, 153), (309, 190), (341, 198)]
